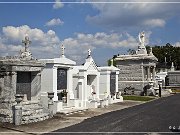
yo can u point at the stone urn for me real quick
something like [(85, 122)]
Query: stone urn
[(118, 95), (151, 83), (64, 99), (151, 89), (50, 95), (19, 98)]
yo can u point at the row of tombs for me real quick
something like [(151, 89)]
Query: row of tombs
[(33, 90)]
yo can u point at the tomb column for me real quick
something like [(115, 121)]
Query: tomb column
[(13, 84), (117, 73), (1, 82), (55, 83), (10, 85), (143, 72), (154, 72), (69, 83), (39, 80), (148, 73), (97, 84)]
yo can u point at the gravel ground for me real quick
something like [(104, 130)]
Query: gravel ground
[(59, 121)]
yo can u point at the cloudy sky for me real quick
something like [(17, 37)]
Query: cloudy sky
[(107, 28)]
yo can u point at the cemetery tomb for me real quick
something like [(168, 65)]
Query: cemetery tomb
[(108, 85), (20, 85), (57, 77), (136, 70), (86, 84)]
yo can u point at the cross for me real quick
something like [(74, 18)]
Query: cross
[(26, 42), (89, 52), (62, 50)]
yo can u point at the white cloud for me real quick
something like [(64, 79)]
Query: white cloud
[(132, 15), (43, 43), (77, 47), (54, 22), (177, 44), (155, 23), (47, 44), (58, 4)]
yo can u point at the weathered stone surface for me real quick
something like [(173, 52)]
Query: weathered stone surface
[(174, 78), (10, 69), (136, 70)]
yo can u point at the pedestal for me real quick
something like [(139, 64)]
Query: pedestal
[(17, 114), (51, 108)]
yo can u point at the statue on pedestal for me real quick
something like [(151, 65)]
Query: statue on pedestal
[(141, 47), (142, 38)]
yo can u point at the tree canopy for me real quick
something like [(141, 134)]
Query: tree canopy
[(166, 55)]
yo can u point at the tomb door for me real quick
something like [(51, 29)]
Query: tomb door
[(61, 79), (113, 82), (91, 86), (62, 82), (23, 85)]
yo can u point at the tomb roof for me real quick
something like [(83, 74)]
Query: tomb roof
[(108, 68), (16, 61), (136, 57), (61, 60)]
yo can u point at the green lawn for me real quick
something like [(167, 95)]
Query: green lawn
[(138, 98), (176, 91)]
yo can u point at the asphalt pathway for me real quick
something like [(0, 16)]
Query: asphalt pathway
[(154, 116)]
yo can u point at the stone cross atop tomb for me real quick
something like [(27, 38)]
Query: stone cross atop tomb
[(62, 51), (89, 52), (141, 47), (26, 54)]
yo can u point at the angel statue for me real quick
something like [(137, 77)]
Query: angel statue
[(142, 37)]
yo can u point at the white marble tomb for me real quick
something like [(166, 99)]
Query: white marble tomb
[(108, 84), (57, 77), (86, 84)]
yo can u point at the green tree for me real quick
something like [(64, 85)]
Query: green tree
[(168, 52), (114, 61)]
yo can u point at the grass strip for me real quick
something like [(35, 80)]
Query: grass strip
[(138, 98)]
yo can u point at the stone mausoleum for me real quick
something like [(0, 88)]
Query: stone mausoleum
[(86, 84), (57, 77), (137, 70), (173, 78), (20, 86), (108, 84)]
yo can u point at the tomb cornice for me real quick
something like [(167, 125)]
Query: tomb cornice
[(34, 63), (136, 57), (108, 68)]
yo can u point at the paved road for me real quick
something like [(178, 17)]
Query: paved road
[(155, 116)]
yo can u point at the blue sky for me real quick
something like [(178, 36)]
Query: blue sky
[(106, 28)]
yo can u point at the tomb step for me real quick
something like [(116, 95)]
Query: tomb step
[(35, 118), (68, 107), (71, 111), (32, 111), (30, 107), (30, 102)]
